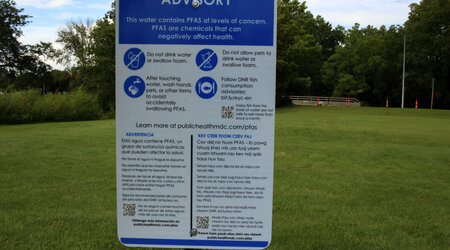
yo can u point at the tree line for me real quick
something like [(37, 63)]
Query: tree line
[(313, 57)]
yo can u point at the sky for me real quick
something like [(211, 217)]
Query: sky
[(50, 15), (365, 12)]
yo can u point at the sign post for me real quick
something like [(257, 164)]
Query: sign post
[(195, 95)]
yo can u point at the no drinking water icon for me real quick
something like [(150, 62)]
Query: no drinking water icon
[(134, 59), (206, 59)]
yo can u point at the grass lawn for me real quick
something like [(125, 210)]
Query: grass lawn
[(359, 178)]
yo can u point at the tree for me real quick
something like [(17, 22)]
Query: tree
[(59, 82), (20, 65), (367, 66), (428, 51), (91, 46), (103, 58), (328, 39), (11, 20), (304, 44), (76, 40)]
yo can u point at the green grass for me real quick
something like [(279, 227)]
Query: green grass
[(362, 178), (359, 178)]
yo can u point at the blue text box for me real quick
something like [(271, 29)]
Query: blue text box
[(224, 22)]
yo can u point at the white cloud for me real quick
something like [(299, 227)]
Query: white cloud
[(35, 34), (364, 12), (44, 3), (70, 16), (99, 6)]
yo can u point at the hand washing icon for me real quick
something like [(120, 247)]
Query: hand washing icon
[(134, 90), (134, 86)]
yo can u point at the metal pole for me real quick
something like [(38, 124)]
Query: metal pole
[(432, 92), (404, 66)]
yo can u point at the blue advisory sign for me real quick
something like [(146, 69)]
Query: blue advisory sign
[(195, 121), (213, 22)]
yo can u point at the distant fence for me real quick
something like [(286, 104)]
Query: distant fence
[(324, 101)]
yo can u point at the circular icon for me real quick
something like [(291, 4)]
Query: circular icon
[(206, 59), (195, 4), (134, 59), (206, 87), (134, 86)]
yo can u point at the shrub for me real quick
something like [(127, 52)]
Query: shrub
[(30, 106), (85, 106), (15, 107)]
